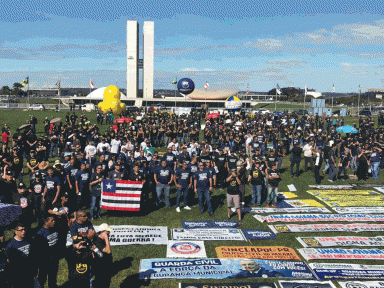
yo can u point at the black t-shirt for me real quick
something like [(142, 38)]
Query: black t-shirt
[(232, 162), (233, 187), (79, 267), (257, 177), (275, 181), (136, 177), (296, 152)]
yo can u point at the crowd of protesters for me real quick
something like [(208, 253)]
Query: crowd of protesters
[(229, 152)]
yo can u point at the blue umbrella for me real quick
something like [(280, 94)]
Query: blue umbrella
[(346, 129)]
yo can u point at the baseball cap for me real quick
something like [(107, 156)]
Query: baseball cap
[(9, 173), (32, 151), (105, 227), (67, 154), (21, 186)]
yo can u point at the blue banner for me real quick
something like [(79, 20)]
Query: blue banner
[(224, 224), (258, 234), (233, 285), (331, 271), (215, 268), (196, 224), (209, 224)]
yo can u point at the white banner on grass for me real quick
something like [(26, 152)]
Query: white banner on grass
[(135, 235), (361, 210), (353, 227), (306, 284), (258, 210), (320, 218), (207, 234), (361, 284), (338, 253), (341, 241), (186, 249), (333, 271), (291, 188)]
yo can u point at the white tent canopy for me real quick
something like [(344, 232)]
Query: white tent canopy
[(98, 94)]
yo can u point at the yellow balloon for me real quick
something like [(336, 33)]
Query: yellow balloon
[(112, 101)]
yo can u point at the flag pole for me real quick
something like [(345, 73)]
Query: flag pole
[(276, 98), (175, 94), (305, 94), (28, 92)]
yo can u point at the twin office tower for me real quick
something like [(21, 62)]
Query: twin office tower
[(133, 61)]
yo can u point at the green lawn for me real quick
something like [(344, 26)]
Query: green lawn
[(127, 258)]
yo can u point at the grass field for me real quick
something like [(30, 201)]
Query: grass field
[(127, 258)]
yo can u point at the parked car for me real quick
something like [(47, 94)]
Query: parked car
[(365, 112), (89, 107), (301, 112), (36, 107), (278, 114)]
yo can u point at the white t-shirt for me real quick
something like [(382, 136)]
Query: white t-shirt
[(143, 145), (100, 146), (170, 145), (90, 149), (115, 145), (307, 149)]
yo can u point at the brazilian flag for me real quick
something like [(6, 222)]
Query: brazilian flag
[(174, 81), (25, 82)]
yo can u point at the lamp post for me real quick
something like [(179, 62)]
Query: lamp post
[(358, 101)]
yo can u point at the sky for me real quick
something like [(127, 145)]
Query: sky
[(229, 44)]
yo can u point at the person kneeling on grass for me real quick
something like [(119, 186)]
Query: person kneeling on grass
[(233, 193)]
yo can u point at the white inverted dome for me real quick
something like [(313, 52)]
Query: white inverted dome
[(98, 94)]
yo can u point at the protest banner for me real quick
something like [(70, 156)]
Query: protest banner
[(355, 193), (320, 218), (209, 224), (331, 187), (134, 235), (339, 253), (207, 234), (359, 210), (271, 210), (303, 203), (196, 224), (306, 284), (361, 284), (380, 189), (341, 241), (286, 195), (361, 185), (186, 249), (222, 269), (227, 285), (251, 234), (335, 271), (354, 227), (257, 252), (374, 196), (354, 203), (224, 224)]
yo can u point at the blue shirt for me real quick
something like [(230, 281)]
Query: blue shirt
[(164, 174), (72, 171), (170, 158), (18, 253), (77, 229), (52, 184), (202, 178), (183, 177), (83, 177), (46, 241)]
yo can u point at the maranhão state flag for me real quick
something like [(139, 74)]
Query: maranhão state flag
[(121, 195)]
